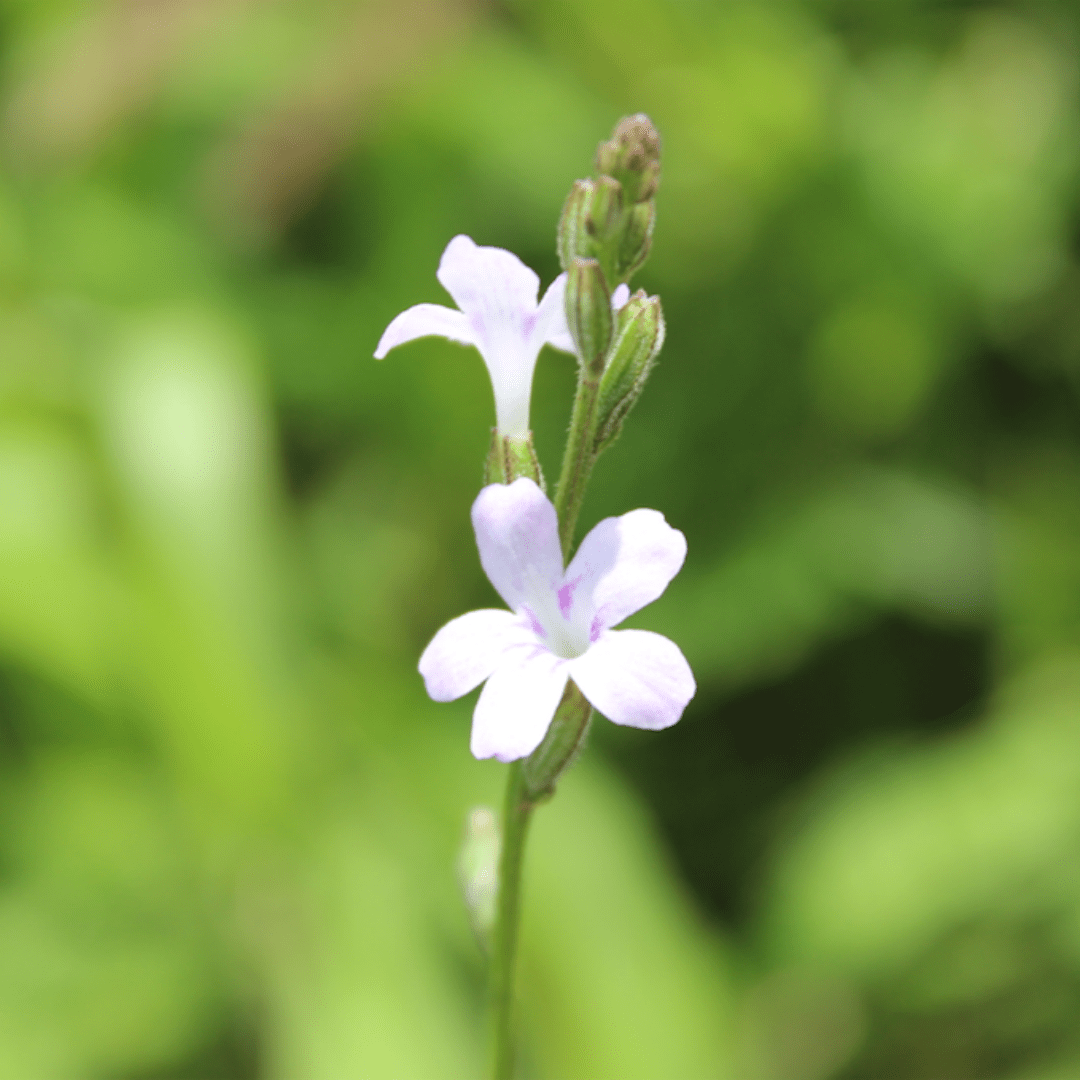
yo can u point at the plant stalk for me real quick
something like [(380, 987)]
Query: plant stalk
[(517, 813), (578, 459)]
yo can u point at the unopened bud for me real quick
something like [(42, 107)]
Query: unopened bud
[(604, 208), (632, 156), (574, 240), (636, 240), (639, 336), (588, 312), (591, 221), (478, 874)]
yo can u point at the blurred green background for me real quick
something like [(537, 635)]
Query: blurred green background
[(229, 815)]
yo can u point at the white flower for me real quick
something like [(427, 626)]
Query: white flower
[(496, 296), (560, 625)]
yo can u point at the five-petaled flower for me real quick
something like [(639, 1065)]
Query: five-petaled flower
[(560, 625), (496, 296)]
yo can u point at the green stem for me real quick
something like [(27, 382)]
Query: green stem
[(516, 815), (578, 459)]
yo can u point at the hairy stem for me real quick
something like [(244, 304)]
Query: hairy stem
[(578, 460)]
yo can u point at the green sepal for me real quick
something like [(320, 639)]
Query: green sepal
[(588, 312), (639, 335), (510, 457), (560, 746)]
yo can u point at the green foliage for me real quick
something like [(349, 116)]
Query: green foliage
[(231, 816)]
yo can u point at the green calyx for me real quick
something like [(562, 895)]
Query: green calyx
[(588, 313), (560, 747), (639, 335), (635, 241), (591, 225), (511, 457)]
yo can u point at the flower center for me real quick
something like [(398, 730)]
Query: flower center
[(557, 620)]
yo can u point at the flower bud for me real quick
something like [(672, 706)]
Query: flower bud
[(604, 209), (611, 218), (632, 156), (588, 312), (639, 336), (591, 221), (574, 239), (478, 865), (635, 241), (560, 746)]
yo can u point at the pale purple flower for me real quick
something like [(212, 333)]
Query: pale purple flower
[(560, 624), (498, 313)]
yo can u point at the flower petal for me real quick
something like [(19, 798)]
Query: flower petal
[(623, 564), (467, 650), (635, 677), (425, 320), (551, 328), (497, 293), (487, 282), (620, 296), (518, 537), (517, 704)]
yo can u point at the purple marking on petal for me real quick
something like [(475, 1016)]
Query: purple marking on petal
[(566, 596), (566, 599), (537, 626), (596, 629)]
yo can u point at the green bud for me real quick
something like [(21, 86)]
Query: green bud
[(575, 240), (591, 222), (632, 156), (561, 745), (604, 208), (478, 864), (588, 312), (636, 240), (509, 458), (639, 336)]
